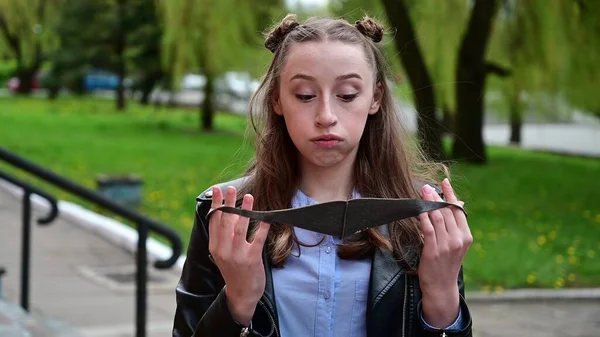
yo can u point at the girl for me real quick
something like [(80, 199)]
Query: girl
[(328, 130)]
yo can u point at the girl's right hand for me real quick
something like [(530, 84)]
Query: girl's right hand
[(239, 261)]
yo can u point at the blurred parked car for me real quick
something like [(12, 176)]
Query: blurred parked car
[(14, 84), (103, 80), (233, 91)]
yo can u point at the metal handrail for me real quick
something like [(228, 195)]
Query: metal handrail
[(29, 190), (144, 224)]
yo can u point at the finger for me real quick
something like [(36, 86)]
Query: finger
[(459, 215), (228, 220), (436, 217), (260, 237), (428, 230), (214, 223), (241, 227), (448, 215), (449, 192)]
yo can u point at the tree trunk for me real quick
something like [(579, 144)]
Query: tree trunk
[(429, 130), (26, 77), (120, 93), (207, 107), (516, 120), (147, 86), (120, 51), (53, 92), (471, 72)]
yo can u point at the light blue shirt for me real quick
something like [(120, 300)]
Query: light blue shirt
[(317, 293)]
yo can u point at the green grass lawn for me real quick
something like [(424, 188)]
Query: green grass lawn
[(535, 217)]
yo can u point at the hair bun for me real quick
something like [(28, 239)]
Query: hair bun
[(370, 28), (276, 36)]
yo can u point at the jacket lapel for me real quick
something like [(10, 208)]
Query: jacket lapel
[(385, 271)]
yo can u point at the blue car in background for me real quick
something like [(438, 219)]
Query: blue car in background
[(102, 80)]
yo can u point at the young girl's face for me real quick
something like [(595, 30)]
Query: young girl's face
[(325, 95)]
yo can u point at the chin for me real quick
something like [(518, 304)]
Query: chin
[(325, 161)]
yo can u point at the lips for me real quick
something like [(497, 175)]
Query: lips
[(327, 141), (327, 138)]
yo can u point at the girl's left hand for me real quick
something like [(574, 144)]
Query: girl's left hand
[(447, 238)]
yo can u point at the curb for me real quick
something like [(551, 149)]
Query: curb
[(534, 294), (125, 237)]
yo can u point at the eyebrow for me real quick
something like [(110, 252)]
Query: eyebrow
[(339, 78)]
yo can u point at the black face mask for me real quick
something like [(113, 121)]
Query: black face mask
[(343, 218)]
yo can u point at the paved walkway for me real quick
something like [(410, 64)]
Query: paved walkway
[(65, 284), (64, 255), (537, 319), (564, 138)]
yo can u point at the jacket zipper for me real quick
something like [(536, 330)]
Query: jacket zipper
[(404, 305), (270, 310)]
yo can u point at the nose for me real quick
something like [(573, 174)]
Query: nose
[(325, 115)]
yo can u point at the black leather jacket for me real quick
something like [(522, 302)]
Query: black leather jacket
[(393, 300)]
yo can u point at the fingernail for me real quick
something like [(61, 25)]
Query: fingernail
[(428, 189), (446, 182)]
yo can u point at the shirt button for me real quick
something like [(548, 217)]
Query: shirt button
[(328, 249), (327, 295)]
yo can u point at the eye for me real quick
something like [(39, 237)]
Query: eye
[(305, 98), (348, 98)]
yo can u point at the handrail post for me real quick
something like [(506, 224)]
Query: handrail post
[(25, 250), (142, 278), (2, 272)]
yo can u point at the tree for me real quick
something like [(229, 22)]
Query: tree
[(144, 52), (471, 72), (420, 80), (412, 59), (122, 36), (580, 85), (25, 29), (211, 36)]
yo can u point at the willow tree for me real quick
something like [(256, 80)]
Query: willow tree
[(26, 28), (582, 74), (529, 41), (407, 46), (439, 26), (211, 36), (472, 69)]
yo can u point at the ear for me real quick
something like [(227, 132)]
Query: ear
[(377, 97), (276, 101)]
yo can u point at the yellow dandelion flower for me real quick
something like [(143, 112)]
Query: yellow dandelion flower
[(571, 277), (573, 260), (533, 247), (559, 283), (541, 240), (571, 251), (552, 235), (597, 219), (531, 278), (499, 289), (591, 254), (487, 289), (559, 258)]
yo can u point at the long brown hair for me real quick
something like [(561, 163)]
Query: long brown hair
[(389, 163)]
